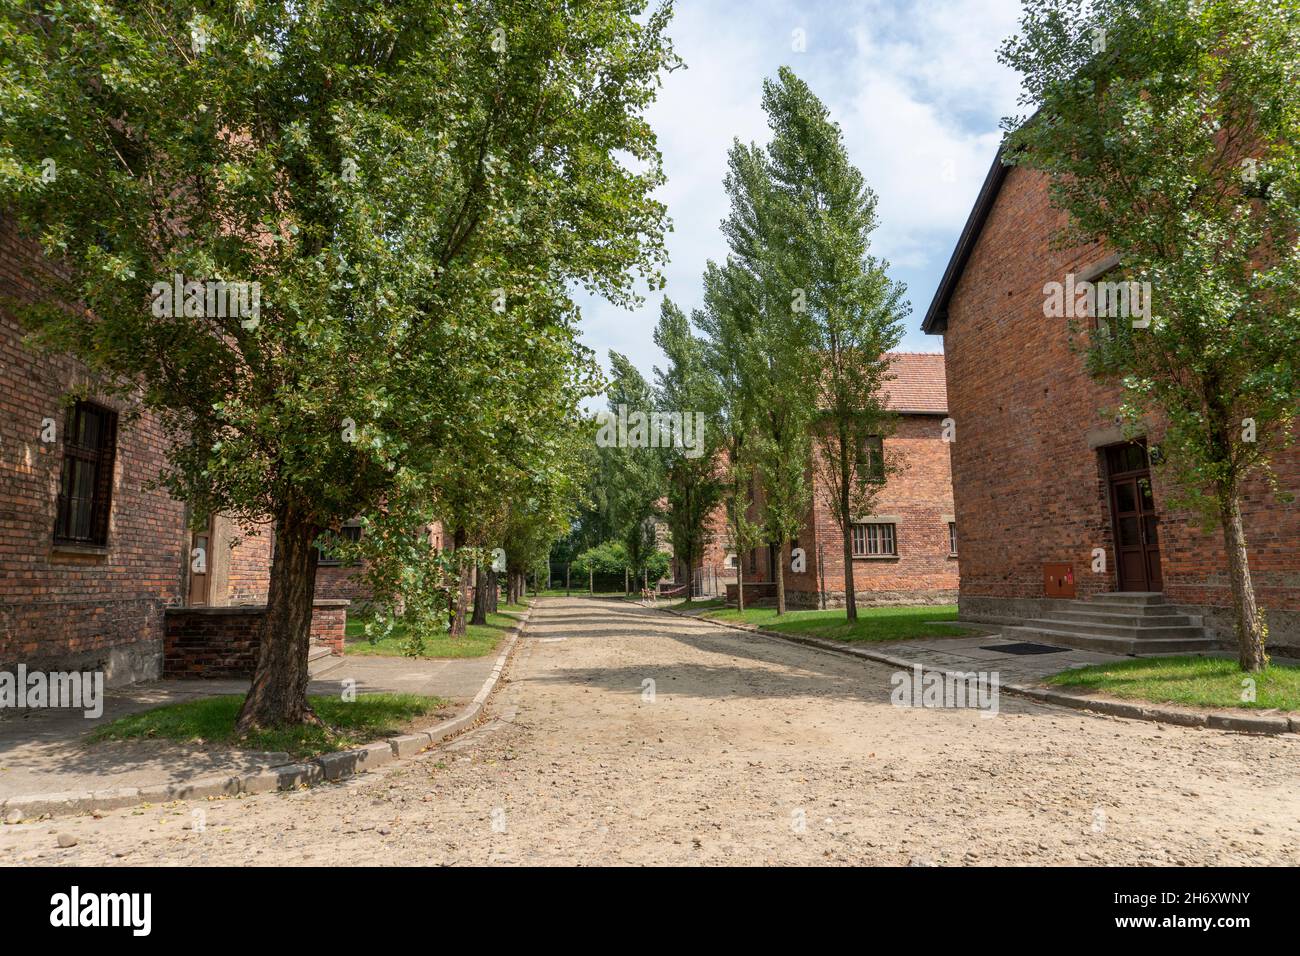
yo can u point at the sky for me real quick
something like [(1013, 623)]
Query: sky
[(916, 89)]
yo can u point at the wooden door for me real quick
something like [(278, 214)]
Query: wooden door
[(1134, 519), (200, 566)]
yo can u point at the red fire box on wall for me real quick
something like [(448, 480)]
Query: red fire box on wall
[(1058, 580)]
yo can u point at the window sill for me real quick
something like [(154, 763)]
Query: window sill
[(97, 550), (952, 554), (875, 557)]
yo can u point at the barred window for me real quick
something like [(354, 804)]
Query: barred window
[(874, 540), (873, 458), (350, 531), (952, 537), (86, 484)]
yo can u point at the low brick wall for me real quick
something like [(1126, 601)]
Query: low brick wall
[(207, 642), (329, 619)]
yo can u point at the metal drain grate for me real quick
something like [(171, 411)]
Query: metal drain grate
[(1025, 647)]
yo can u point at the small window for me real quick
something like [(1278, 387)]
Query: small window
[(952, 537), (873, 458), (86, 484), (732, 561), (351, 531), (874, 540)]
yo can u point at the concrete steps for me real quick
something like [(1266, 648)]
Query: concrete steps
[(1129, 623)]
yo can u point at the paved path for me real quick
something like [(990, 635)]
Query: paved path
[(41, 751), (751, 751)]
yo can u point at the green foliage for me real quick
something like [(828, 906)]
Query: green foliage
[(828, 214), (634, 476), (612, 558), (693, 476), (416, 186), (1178, 147)]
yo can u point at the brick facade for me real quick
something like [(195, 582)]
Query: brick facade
[(64, 607), (1028, 464), (102, 607), (916, 500)]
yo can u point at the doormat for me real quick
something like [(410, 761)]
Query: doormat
[(1025, 647)]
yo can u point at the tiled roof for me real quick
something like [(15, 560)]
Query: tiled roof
[(918, 384)]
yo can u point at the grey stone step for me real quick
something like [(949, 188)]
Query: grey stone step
[(1119, 607), (1130, 630), (1112, 645), (1136, 610), (1129, 597), (1094, 616)]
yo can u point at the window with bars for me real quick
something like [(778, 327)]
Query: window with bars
[(86, 483), (873, 458), (874, 540), (952, 537), (351, 531)]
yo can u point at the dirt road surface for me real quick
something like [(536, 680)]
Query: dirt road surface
[(627, 736)]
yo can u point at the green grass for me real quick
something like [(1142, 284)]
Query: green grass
[(212, 721), (479, 640), (1193, 681), (873, 623)]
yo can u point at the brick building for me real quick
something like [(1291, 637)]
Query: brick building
[(91, 558), (89, 555), (1044, 478), (904, 551)]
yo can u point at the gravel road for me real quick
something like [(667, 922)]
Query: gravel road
[(743, 750)]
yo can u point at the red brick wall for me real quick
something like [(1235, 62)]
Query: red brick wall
[(214, 642), (1029, 488), (99, 610), (249, 577), (919, 496), (342, 583)]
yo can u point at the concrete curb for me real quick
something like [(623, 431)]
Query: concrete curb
[(294, 776), (1235, 722)]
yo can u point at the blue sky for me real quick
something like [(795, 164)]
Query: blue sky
[(916, 88)]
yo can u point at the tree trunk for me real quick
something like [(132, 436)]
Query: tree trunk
[(493, 589), (278, 695), (780, 578), (740, 584), (480, 596), (462, 584), (850, 589), (1250, 623)]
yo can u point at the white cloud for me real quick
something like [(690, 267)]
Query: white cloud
[(916, 87)]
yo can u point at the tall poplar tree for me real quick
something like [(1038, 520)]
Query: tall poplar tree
[(688, 388), (828, 213)]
